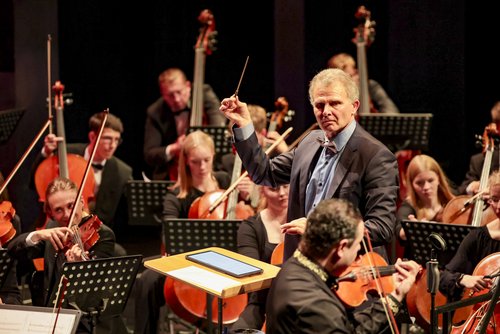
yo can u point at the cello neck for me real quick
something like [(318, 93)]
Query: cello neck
[(477, 214), (199, 78), (61, 147)]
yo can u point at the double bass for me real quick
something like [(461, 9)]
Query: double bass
[(66, 165)]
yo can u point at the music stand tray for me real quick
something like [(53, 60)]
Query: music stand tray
[(24, 319), (184, 235), (145, 201), (417, 233), (8, 123), (6, 263), (101, 287), (399, 131)]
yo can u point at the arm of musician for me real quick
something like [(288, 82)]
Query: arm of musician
[(472, 188), (236, 111), (271, 138), (404, 278), (174, 149), (296, 226), (56, 236), (476, 283), (50, 144), (245, 188)]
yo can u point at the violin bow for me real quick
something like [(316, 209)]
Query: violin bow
[(377, 276), (25, 155), (84, 179)]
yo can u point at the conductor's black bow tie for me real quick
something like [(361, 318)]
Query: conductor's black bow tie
[(328, 144)]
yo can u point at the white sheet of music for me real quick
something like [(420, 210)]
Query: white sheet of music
[(25, 321)]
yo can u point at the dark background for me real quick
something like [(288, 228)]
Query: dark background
[(431, 56)]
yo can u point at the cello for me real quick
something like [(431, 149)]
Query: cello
[(467, 210), (472, 316)]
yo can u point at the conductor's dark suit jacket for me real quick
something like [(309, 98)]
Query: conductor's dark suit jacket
[(366, 175)]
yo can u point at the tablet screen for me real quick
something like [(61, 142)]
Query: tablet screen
[(224, 264)]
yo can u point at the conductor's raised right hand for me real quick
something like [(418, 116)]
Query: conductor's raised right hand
[(236, 111)]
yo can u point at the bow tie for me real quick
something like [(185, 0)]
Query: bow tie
[(328, 144), (98, 166)]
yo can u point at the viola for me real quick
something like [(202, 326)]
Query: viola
[(359, 279), (7, 230), (470, 316)]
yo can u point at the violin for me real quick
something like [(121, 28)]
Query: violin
[(85, 233), (7, 230), (355, 282)]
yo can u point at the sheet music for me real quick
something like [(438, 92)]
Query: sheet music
[(202, 277), (22, 321)]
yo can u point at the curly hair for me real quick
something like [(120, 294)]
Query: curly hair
[(330, 222)]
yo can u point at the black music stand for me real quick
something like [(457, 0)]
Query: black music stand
[(221, 136), (399, 131), (184, 235), (99, 288), (8, 122), (6, 263), (417, 233), (145, 201)]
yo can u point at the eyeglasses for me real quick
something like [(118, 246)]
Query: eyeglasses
[(108, 140)]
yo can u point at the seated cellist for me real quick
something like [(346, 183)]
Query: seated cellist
[(478, 244)]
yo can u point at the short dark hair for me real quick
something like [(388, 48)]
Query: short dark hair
[(331, 221), (112, 122)]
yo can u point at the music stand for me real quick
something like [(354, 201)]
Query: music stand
[(399, 131), (222, 140), (185, 235), (145, 201), (6, 263), (99, 288), (8, 122), (417, 233)]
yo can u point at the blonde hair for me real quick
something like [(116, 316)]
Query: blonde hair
[(494, 179), (185, 179), (56, 185), (423, 163)]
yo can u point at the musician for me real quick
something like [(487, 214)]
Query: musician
[(470, 185), (381, 101), (111, 173), (428, 192), (341, 160), (301, 299), (478, 244), (55, 242), (196, 177), (168, 119), (257, 238)]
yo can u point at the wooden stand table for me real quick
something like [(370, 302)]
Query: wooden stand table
[(213, 282)]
